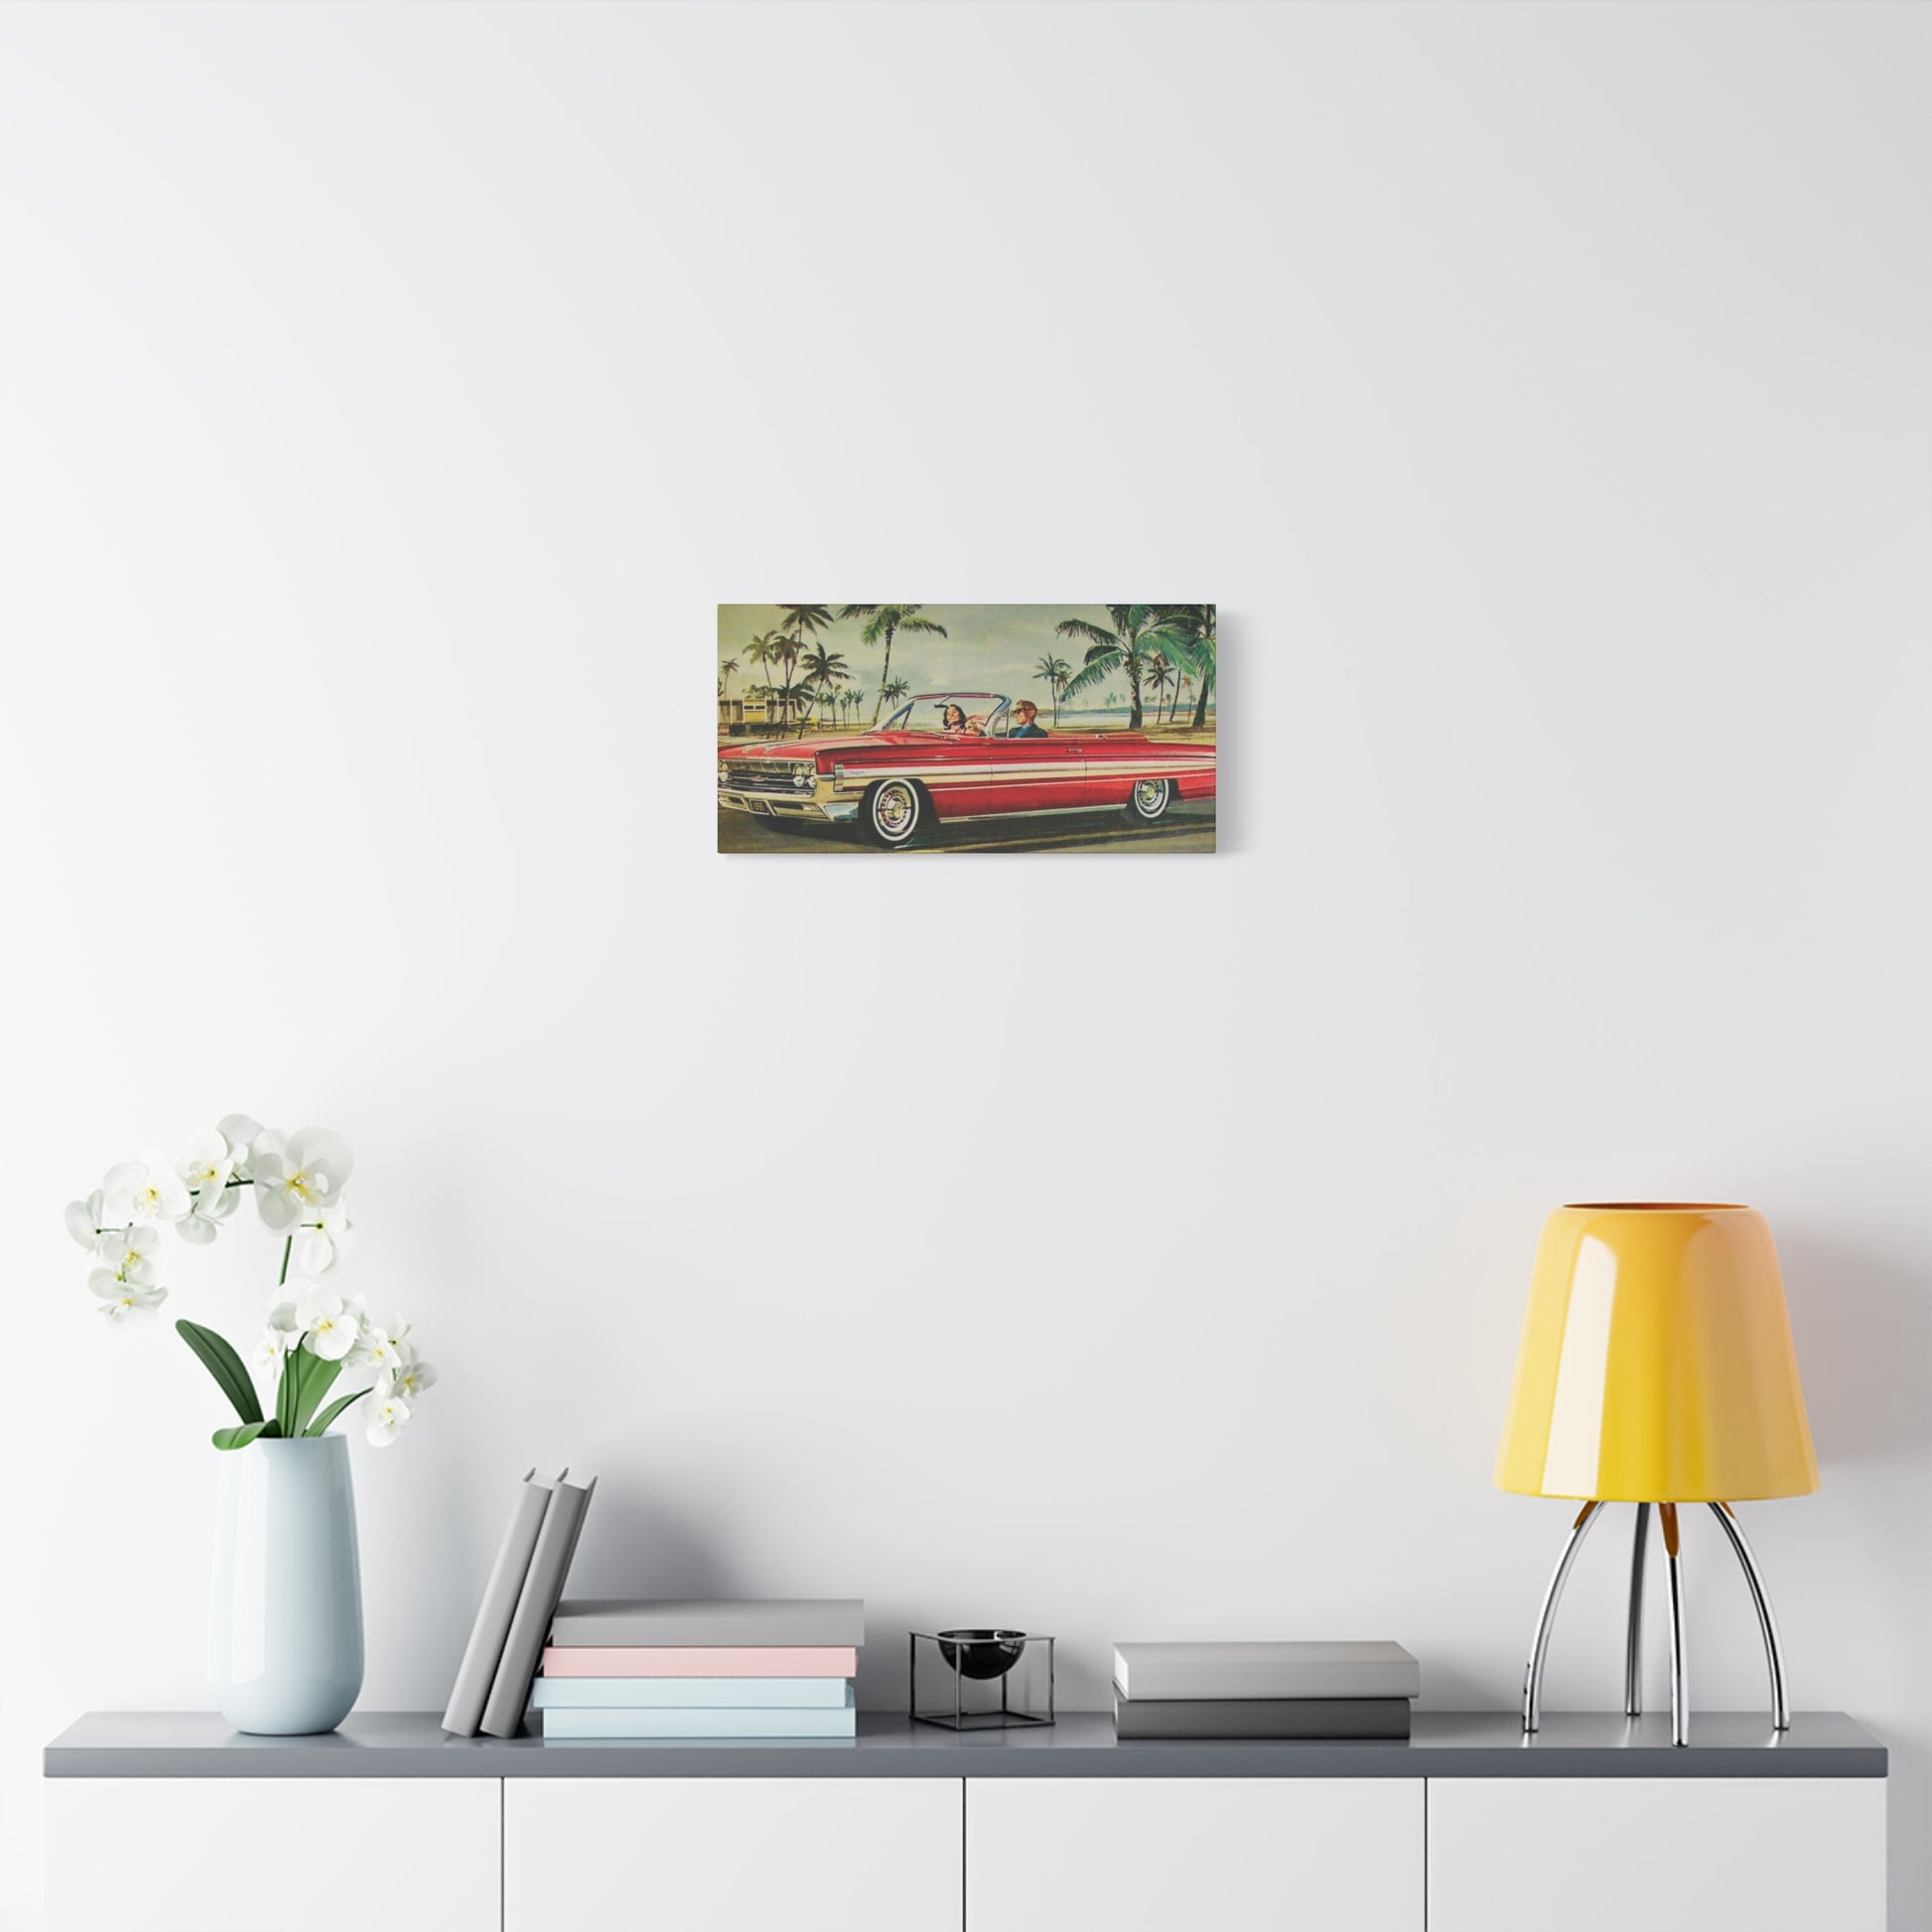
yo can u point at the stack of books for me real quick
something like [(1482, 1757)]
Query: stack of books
[(1264, 1690), (649, 1669)]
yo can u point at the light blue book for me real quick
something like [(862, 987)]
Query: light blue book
[(617, 1724), (691, 1693)]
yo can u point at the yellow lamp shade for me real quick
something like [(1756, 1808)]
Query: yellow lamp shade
[(1656, 1363)]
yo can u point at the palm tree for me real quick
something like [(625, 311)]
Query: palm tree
[(767, 651), (1161, 675), (799, 622), (827, 669), (824, 666), (1054, 672), (1138, 636), (1195, 622), (725, 671), (1181, 696), (891, 692), (887, 621)]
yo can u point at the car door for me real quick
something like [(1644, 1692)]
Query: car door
[(1036, 774)]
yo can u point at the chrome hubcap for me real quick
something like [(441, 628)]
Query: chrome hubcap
[(1149, 795), (892, 811)]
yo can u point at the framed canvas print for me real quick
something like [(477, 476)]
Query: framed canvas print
[(966, 728)]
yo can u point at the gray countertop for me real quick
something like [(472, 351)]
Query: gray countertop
[(1445, 1745)]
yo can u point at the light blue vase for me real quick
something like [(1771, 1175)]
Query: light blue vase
[(285, 1631)]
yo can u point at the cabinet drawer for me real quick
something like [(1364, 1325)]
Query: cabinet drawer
[(1182, 1854), (730, 1855), (270, 1855), (1670, 1854)]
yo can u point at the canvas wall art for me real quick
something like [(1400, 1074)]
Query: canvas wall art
[(947, 728)]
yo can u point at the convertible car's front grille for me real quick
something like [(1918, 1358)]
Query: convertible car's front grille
[(761, 774)]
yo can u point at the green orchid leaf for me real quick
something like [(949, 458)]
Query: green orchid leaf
[(221, 1362), (320, 1426), (288, 1390), (317, 1376), (240, 1435)]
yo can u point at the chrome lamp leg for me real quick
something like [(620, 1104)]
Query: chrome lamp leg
[(1633, 1640), (1540, 1643), (1766, 1622), (1679, 1697)]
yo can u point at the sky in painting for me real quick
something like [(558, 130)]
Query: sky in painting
[(987, 646)]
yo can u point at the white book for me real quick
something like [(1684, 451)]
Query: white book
[(1157, 1671), (692, 1693)]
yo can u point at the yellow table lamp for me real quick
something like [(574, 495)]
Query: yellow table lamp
[(1656, 1366)]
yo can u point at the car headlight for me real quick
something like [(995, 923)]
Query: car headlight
[(804, 777), (724, 772)]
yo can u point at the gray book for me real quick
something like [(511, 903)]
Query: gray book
[(487, 1634), (787, 1622), (536, 1605), (1265, 1670), (1278, 1718)]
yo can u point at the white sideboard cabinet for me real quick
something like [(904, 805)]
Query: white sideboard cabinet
[(174, 1823), (714, 1854), (1158, 1855), (245, 1854)]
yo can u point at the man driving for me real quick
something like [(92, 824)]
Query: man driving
[(1026, 715)]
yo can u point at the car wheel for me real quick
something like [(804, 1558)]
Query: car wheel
[(1149, 799), (894, 813)]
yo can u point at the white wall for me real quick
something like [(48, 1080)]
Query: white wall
[(1116, 1247)]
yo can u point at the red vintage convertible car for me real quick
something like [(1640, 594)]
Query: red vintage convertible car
[(953, 755)]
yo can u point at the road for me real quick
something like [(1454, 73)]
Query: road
[(1185, 828)]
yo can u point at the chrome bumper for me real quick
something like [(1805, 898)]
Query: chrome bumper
[(820, 807)]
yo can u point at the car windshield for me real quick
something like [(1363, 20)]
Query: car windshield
[(978, 714)]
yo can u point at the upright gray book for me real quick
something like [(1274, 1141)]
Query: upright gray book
[(536, 1605), (1265, 1670), (485, 1651), (790, 1623), (1271, 1717)]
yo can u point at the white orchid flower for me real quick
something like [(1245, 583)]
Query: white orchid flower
[(332, 1327), (296, 1180), (410, 1379), (241, 1133), (121, 1299), (144, 1190), (388, 1416), (374, 1350), (132, 1253), (208, 1161), (327, 1243), (211, 1207), (84, 1217), (282, 1335)]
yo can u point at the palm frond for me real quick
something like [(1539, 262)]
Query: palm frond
[(1175, 647), (1096, 673), (1081, 628), (923, 623)]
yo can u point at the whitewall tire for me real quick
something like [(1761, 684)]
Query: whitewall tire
[(894, 813)]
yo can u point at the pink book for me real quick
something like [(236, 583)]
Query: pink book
[(733, 1660)]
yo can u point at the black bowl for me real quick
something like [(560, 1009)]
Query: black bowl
[(981, 1654)]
